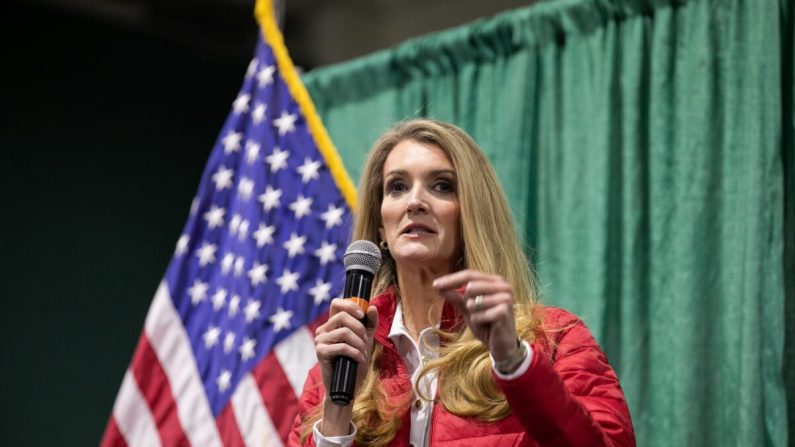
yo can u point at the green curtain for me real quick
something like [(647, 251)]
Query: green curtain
[(646, 149)]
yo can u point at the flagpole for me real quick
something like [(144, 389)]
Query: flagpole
[(279, 11)]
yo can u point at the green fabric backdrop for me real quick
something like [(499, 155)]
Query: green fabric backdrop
[(646, 149)]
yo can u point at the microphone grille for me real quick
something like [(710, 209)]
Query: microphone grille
[(363, 255)]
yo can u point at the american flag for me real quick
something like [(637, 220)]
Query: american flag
[(228, 340)]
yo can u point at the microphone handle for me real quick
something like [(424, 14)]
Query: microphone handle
[(358, 285)]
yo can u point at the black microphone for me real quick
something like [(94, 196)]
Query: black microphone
[(362, 260)]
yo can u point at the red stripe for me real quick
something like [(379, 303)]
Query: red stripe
[(227, 427), (156, 390), (112, 436), (317, 323), (277, 394)]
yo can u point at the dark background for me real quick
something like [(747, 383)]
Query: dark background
[(105, 132), (108, 112)]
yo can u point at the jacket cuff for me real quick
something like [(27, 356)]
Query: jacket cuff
[(521, 370), (332, 441)]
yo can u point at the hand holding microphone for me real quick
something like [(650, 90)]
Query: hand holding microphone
[(343, 342)]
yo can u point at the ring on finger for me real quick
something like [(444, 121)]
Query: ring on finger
[(478, 303)]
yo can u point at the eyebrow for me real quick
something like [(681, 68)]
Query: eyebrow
[(435, 172)]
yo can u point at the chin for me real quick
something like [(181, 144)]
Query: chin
[(419, 258)]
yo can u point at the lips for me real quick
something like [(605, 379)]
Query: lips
[(417, 229)]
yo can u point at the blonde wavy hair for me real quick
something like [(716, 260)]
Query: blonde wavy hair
[(466, 385)]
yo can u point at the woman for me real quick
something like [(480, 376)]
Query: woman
[(457, 349)]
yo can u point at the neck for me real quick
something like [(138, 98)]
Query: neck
[(422, 306)]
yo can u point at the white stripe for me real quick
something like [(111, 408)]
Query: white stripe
[(252, 417), (172, 346), (132, 415), (297, 356)]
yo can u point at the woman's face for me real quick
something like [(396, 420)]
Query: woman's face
[(419, 212)]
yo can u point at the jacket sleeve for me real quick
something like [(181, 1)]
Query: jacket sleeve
[(572, 397), (310, 398)]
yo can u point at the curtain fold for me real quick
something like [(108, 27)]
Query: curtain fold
[(646, 150)]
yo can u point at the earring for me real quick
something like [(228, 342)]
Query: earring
[(383, 245)]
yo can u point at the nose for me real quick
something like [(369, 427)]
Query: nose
[(415, 202)]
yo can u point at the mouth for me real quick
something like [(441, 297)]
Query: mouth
[(417, 230)]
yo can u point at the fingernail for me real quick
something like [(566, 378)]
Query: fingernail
[(359, 314)]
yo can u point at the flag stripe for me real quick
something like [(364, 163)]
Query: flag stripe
[(252, 417), (112, 436), (277, 394), (132, 416), (228, 428), (156, 392), (170, 341), (298, 351)]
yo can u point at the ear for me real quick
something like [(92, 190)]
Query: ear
[(381, 233)]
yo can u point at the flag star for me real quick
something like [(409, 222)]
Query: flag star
[(320, 291), (223, 178), (234, 305), (198, 292), (252, 151), (301, 206), (240, 264), (231, 142), (241, 103), (288, 281), (206, 254), (285, 122), (211, 337), (245, 188), (278, 159), (194, 205), (243, 232), (182, 245), (333, 215), (264, 235), (252, 310), (257, 274), (270, 199), (224, 380), (265, 76), (226, 263), (326, 253), (308, 170), (234, 223), (258, 115), (281, 319), (219, 299), (214, 217), (229, 341), (295, 245), (252, 68), (247, 348)]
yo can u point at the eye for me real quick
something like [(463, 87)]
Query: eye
[(444, 186), (395, 186)]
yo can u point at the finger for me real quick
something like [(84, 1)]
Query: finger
[(343, 320), (342, 335), (345, 305), (456, 299), (460, 278), (494, 314), (488, 301), (372, 319), (486, 287), (328, 352)]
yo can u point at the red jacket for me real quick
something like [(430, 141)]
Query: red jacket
[(569, 396)]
